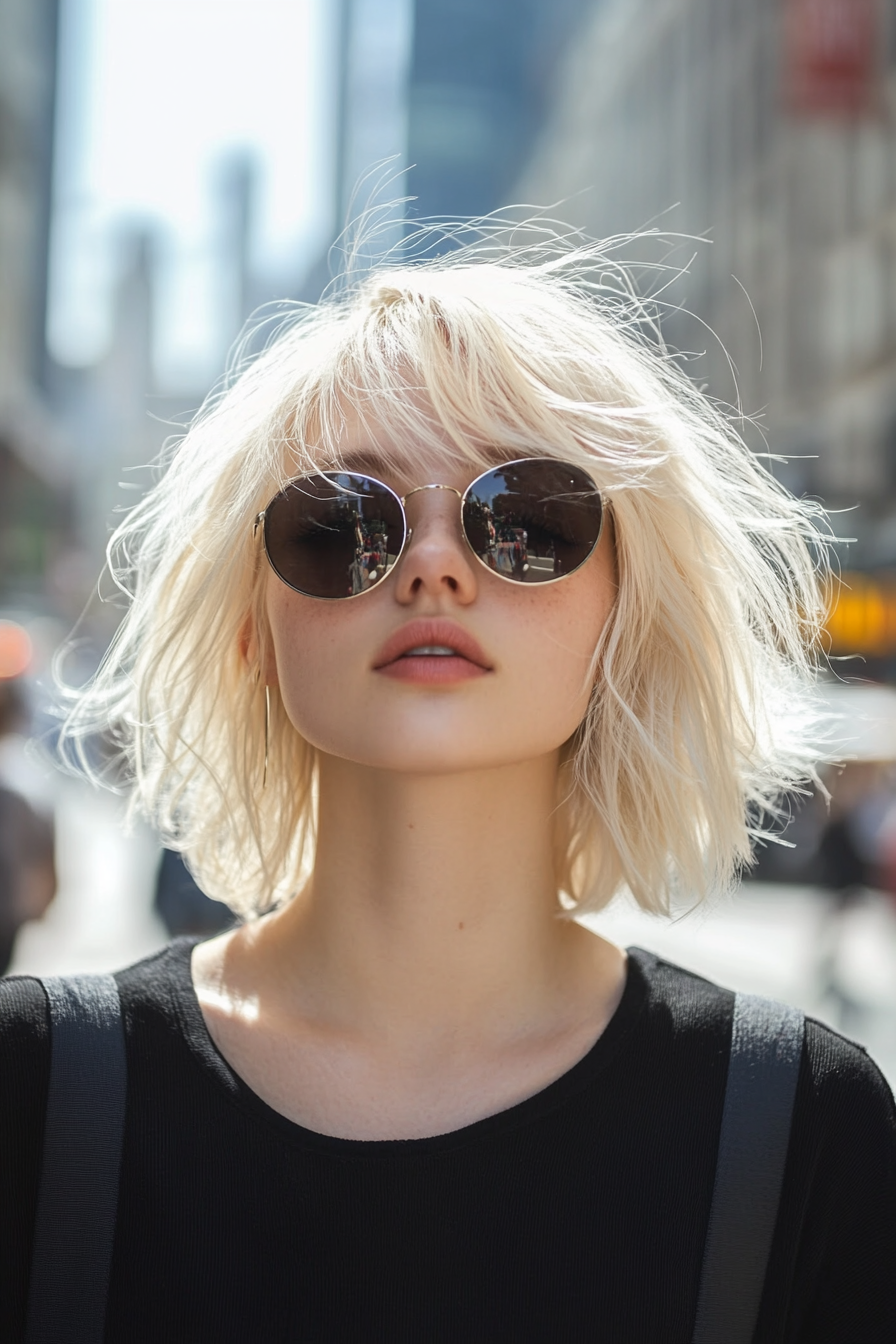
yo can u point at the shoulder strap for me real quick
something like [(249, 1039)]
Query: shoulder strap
[(78, 1194), (766, 1047)]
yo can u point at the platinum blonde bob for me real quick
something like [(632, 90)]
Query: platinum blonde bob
[(701, 706)]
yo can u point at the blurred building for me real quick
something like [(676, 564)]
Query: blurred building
[(108, 407), (33, 468), (117, 413), (439, 100), (768, 128), (480, 77), (374, 51)]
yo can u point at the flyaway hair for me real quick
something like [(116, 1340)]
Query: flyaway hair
[(701, 710)]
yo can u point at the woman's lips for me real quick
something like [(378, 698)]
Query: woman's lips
[(432, 669), (431, 652)]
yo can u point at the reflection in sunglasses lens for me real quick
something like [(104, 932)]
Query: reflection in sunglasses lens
[(533, 521), (333, 536)]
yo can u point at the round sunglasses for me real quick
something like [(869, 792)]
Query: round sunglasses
[(337, 534)]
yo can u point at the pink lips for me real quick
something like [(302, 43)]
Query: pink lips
[(468, 659)]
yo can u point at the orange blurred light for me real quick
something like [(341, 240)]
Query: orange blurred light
[(862, 616), (15, 650)]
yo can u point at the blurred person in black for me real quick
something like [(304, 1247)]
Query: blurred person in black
[(182, 905), (27, 836), (411, 1098)]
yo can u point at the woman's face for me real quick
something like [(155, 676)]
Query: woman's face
[(518, 691)]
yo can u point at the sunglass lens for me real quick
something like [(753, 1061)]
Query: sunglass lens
[(335, 535), (533, 521)]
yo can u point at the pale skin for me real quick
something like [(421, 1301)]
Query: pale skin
[(422, 980)]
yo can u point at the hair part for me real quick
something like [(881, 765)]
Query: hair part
[(701, 711)]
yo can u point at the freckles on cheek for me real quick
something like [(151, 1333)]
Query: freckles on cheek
[(299, 652), (570, 618), (289, 625), (317, 653), (565, 631)]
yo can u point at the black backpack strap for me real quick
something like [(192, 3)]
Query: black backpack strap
[(766, 1047), (78, 1195)]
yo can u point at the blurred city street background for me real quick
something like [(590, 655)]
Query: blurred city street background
[(169, 167)]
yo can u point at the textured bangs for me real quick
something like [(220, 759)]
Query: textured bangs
[(701, 711)]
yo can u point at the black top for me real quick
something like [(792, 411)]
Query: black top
[(577, 1215)]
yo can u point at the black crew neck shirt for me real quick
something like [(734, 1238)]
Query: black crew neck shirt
[(577, 1215)]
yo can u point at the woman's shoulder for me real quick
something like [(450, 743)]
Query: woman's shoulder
[(157, 984), (24, 1085), (151, 992), (844, 1093), (152, 983), (24, 1027), (681, 1009), (837, 1075)]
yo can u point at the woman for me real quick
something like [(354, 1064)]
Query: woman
[(411, 1098)]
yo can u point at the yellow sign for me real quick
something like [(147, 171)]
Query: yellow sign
[(862, 618)]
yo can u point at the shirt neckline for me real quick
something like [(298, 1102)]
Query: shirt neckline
[(558, 1092)]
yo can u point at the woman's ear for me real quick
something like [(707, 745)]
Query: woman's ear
[(248, 640), (254, 652)]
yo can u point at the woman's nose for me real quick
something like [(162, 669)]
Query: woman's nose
[(436, 559)]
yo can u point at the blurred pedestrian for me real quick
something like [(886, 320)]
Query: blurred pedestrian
[(182, 905), (411, 1098), (27, 830), (27, 869)]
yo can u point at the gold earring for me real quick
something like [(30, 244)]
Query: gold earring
[(267, 733)]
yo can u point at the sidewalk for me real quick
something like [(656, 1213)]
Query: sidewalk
[(102, 916)]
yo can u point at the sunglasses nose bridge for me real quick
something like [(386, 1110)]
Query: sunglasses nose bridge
[(418, 489)]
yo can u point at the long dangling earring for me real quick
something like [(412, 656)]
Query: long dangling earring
[(267, 733)]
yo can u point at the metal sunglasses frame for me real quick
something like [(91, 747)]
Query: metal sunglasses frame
[(260, 519)]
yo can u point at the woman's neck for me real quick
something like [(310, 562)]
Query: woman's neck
[(434, 897), (432, 909)]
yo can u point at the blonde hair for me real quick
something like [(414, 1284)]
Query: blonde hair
[(700, 714)]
